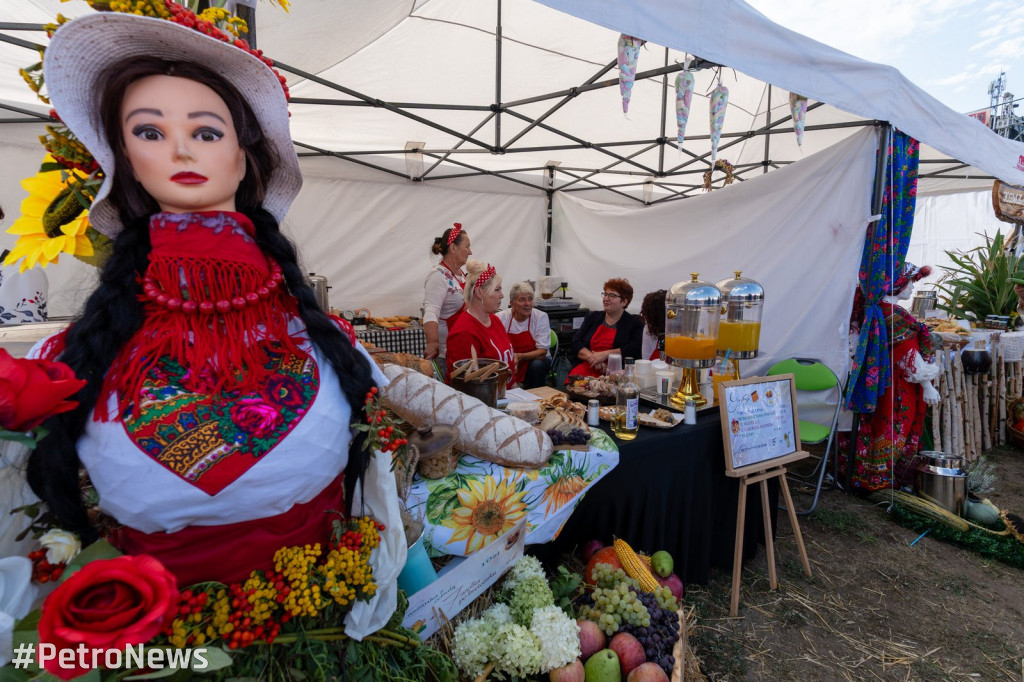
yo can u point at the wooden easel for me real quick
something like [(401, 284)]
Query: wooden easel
[(762, 476), (758, 402)]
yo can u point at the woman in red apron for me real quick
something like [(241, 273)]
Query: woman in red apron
[(478, 330), (530, 332), (443, 289), (607, 331)]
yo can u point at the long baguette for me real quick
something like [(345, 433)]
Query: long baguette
[(483, 431)]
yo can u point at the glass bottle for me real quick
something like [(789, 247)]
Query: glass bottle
[(627, 402)]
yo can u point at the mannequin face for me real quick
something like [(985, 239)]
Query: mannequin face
[(906, 293), (182, 144)]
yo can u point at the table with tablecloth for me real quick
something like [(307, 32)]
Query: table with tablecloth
[(480, 500), (412, 340), (670, 492)]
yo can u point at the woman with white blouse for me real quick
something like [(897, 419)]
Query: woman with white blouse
[(442, 290)]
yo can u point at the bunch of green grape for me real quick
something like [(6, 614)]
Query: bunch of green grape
[(666, 599), (607, 577), (613, 606)]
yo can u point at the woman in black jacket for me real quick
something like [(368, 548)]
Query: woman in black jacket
[(607, 331)]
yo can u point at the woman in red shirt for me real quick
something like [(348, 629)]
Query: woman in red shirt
[(479, 327)]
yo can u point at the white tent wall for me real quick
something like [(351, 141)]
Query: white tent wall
[(803, 246), (955, 221), (372, 240)]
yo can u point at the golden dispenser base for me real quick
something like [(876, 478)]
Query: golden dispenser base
[(689, 389)]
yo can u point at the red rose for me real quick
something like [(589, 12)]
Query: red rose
[(33, 390), (108, 604), (256, 417)]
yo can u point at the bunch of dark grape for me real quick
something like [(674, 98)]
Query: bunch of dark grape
[(660, 636), (574, 437)]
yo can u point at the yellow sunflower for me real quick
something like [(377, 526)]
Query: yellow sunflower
[(488, 510), (561, 492), (35, 245)]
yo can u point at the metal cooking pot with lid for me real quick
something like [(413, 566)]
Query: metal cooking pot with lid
[(940, 479)]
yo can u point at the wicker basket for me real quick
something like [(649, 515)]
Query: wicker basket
[(1013, 434)]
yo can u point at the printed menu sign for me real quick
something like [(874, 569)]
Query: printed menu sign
[(759, 420)]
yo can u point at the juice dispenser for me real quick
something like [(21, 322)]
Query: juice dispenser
[(739, 331), (692, 313)]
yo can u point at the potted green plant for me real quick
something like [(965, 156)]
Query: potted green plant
[(978, 283)]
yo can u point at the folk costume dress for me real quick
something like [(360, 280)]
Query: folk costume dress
[(219, 437), (443, 301), (489, 342), (889, 438)]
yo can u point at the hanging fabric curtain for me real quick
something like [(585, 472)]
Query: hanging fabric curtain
[(885, 251)]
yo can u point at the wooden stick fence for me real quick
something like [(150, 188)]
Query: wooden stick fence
[(971, 416)]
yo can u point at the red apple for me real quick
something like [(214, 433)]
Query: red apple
[(590, 549), (572, 672), (673, 583), (647, 672), (629, 650), (592, 639)]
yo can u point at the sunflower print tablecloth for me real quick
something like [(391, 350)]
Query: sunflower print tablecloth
[(481, 500)]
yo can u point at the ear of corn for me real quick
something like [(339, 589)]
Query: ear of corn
[(646, 559), (633, 566)]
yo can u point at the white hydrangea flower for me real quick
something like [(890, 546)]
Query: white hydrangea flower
[(559, 637), (499, 614), (526, 567), (472, 647), (516, 651)]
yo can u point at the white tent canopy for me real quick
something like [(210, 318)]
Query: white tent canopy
[(504, 102)]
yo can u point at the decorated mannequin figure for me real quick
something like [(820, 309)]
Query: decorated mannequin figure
[(217, 425), (888, 439)]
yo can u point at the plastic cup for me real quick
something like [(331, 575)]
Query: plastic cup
[(614, 364)]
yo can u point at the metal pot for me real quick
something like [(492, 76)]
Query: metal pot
[(488, 391), (320, 287), (940, 480), (923, 303)]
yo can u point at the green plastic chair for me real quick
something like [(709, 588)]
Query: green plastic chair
[(810, 374)]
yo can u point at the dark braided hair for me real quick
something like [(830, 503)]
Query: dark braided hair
[(113, 313)]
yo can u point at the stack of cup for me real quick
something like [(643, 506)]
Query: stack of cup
[(643, 374)]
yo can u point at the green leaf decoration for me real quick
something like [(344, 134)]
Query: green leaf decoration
[(101, 549)]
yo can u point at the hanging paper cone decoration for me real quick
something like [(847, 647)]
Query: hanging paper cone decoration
[(684, 94), (629, 53), (719, 101), (798, 107)]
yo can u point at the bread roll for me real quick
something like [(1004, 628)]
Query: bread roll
[(483, 432)]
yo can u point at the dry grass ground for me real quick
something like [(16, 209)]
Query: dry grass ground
[(876, 607)]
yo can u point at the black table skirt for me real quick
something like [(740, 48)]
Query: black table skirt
[(670, 492)]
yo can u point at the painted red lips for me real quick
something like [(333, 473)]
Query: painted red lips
[(188, 178)]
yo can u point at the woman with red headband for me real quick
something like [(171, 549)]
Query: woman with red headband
[(479, 328), (442, 290)]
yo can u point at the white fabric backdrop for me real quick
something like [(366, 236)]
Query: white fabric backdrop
[(372, 240), (798, 231)]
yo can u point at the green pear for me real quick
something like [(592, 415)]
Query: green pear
[(662, 563), (603, 667)]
